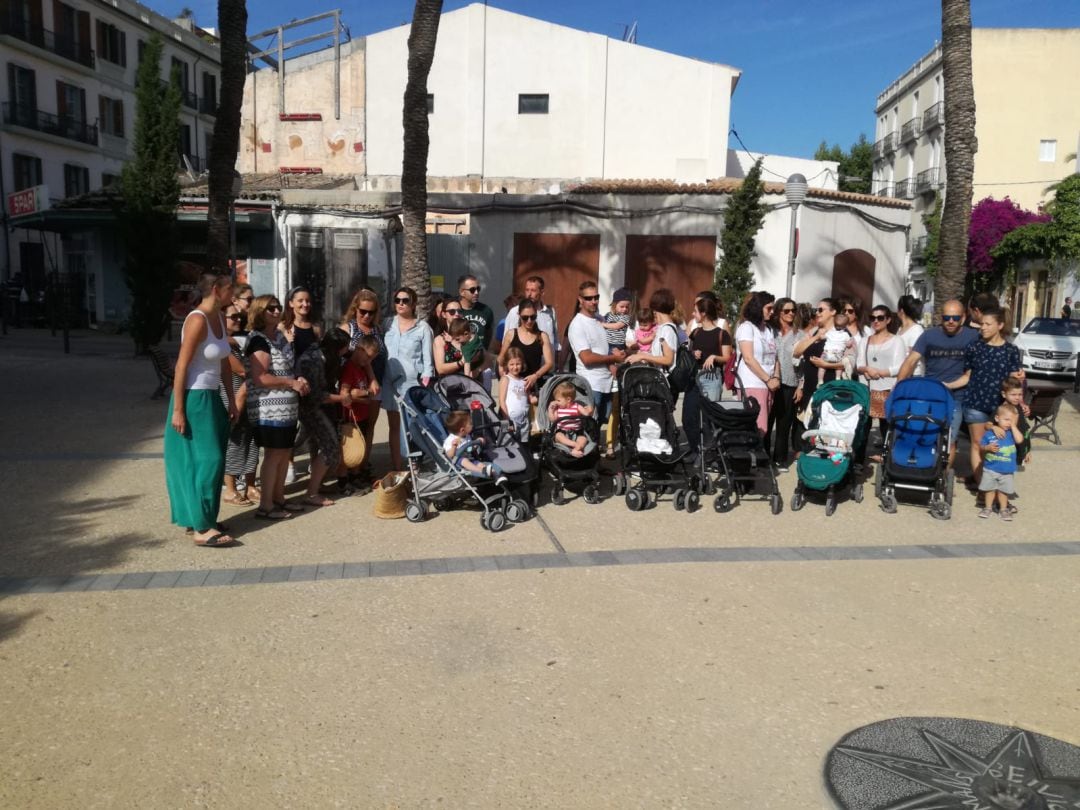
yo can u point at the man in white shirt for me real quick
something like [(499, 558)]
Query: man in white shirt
[(546, 320), (588, 342)]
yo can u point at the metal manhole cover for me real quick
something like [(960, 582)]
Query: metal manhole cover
[(946, 763)]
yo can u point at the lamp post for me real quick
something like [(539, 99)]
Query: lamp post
[(795, 191), (237, 187)]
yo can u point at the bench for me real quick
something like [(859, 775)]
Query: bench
[(163, 367), (1045, 403)]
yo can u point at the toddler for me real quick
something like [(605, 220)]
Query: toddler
[(645, 331), (513, 398), (1012, 391), (999, 461), (617, 320), (839, 348), (565, 414), (467, 348), (465, 451)]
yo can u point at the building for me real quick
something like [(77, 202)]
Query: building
[(823, 174), (1027, 121), (68, 110)]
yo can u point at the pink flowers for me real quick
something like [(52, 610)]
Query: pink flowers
[(990, 220)]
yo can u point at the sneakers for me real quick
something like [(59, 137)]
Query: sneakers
[(290, 475), (493, 471), (1006, 515), (985, 513)]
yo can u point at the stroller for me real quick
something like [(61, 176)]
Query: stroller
[(435, 479), (568, 470), (733, 449), (916, 452), (650, 443), (839, 424)]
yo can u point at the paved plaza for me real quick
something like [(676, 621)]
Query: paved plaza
[(591, 657)]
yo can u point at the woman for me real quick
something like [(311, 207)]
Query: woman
[(362, 318), (197, 425), (408, 351), (242, 298), (878, 361), (987, 363), (436, 318), (241, 453), (320, 365), (666, 343), (712, 296), (296, 323), (782, 414), (534, 344), (711, 347), (852, 307), (810, 348), (909, 310), (757, 368), (447, 357), (272, 403)]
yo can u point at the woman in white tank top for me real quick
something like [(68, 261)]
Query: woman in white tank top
[(198, 425)]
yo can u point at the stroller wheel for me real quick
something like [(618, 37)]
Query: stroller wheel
[(650, 499), (888, 504), (557, 496), (414, 512), (517, 510), (591, 494), (722, 503), (693, 501), (940, 510), (619, 484), (696, 484), (879, 480), (830, 503), (776, 503), (534, 496), (635, 500), (679, 500), (496, 521), (857, 493), (708, 487), (798, 500)]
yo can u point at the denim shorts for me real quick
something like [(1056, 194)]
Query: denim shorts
[(975, 417)]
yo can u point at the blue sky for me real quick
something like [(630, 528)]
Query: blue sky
[(811, 70)]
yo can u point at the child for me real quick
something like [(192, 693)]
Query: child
[(565, 414), (1012, 391), (645, 331), (463, 450), (355, 379), (999, 461), (513, 398), (618, 319), (839, 348), (466, 348)]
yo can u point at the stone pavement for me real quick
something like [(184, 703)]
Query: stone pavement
[(590, 657)]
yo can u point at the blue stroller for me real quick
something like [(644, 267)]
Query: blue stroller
[(916, 454)]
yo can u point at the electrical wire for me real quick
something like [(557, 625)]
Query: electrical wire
[(764, 168)]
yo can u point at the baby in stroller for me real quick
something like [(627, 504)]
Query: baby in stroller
[(465, 451), (565, 413)]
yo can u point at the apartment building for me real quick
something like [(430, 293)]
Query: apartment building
[(1027, 106), (67, 123)]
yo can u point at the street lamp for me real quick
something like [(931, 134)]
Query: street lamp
[(795, 191), (237, 187)]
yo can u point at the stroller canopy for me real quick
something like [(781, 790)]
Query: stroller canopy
[(920, 396), (460, 390), (643, 381)]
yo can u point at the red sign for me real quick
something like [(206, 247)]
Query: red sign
[(27, 201)]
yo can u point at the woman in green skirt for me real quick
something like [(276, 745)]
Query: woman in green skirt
[(198, 424)]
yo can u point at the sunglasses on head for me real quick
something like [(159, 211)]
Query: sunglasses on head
[(475, 289), (879, 317), (590, 298), (403, 300), (953, 318), (366, 311)]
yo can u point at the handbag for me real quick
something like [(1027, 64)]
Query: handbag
[(353, 444), (730, 369), (684, 369)]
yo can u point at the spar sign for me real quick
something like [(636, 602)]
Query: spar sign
[(28, 201)]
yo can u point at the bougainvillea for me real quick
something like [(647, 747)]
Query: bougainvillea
[(990, 220)]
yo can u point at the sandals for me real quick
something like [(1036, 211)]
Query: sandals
[(239, 500), (288, 507), (318, 500), (218, 540), (273, 514), (221, 527)]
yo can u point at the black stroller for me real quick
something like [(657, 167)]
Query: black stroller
[(653, 463), (569, 471), (732, 448)]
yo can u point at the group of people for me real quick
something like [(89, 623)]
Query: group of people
[(251, 369)]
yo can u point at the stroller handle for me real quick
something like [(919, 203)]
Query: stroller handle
[(918, 417)]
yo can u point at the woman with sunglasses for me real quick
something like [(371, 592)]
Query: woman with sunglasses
[(446, 355), (810, 348), (408, 351), (272, 403), (782, 414), (852, 307), (757, 370), (534, 344), (878, 360), (362, 318), (241, 453), (197, 424), (243, 295)]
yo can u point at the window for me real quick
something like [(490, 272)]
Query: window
[(76, 180), (111, 43), (22, 88), (1047, 151), (141, 48), (111, 114), (180, 70), (27, 171), (70, 102), (185, 141), (209, 92), (533, 104), (430, 103), (915, 105), (108, 180)]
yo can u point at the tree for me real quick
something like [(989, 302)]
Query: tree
[(225, 144), (149, 193), (743, 218), (856, 166), (414, 116), (932, 226), (991, 220), (960, 148)]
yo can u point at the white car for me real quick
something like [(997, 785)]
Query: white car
[(1048, 347)]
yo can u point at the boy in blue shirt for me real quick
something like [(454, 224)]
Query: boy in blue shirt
[(999, 461)]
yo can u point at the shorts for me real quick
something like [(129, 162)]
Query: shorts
[(992, 481), (976, 417)]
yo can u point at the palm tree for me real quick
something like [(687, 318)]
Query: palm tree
[(414, 269), (960, 148), (232, 29)]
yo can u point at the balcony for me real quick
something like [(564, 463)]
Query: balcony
[(189, 99), (63, 126), (891, 143), (904, 189), (208, 106), (15, 25), (911, 131), (934, 117), (879, 149), (927, 181), (884, 191), (918, 249)]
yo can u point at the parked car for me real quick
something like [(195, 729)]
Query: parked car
[(1048, 347)]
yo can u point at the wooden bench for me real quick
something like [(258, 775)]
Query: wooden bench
[(1045, 402), (163, 367)]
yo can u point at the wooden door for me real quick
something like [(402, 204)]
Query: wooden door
[(853, 277), (686, 265), (563, 260)]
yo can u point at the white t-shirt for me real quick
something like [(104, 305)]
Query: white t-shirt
[(909, 337), (586, 333), (764, 341), (665, 333)]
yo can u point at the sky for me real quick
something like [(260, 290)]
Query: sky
[(811, 71)]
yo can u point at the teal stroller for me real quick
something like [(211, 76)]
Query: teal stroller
[(833, 460)]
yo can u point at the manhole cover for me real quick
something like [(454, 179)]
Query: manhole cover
[(945, 763)]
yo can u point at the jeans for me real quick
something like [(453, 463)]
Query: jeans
[(602, 408), (691, 417)]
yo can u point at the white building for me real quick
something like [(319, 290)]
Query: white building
[(69, 118), (777, 168)]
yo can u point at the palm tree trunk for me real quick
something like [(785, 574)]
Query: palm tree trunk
[(960, 148), (232, 28), (422, 36)]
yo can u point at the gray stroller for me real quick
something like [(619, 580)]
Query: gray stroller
[(567, 470)]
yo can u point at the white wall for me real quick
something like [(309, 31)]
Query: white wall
[(777, 168)]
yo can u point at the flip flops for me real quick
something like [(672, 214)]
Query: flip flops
[(216, 541), (273, 514), (239, 500), (289, 507)]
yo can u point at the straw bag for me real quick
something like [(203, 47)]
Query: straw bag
[(391, 495), (353, 444)]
